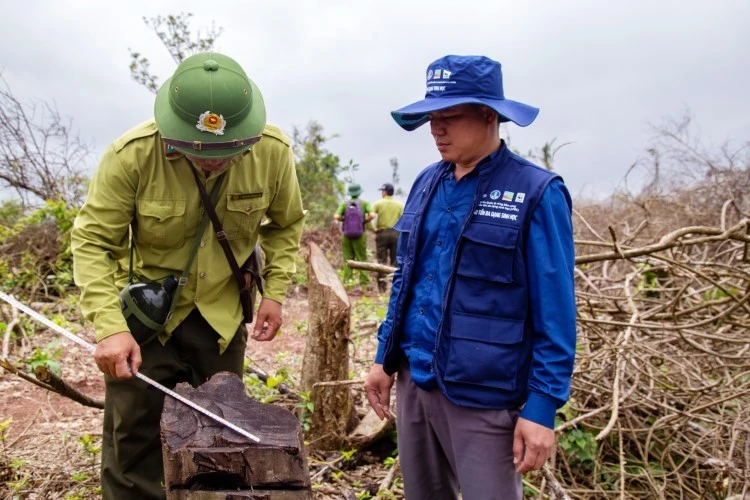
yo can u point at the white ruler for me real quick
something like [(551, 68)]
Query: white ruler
[(78, 340)]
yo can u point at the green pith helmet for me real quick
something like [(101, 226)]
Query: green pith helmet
[(209, 108), (355, 190)]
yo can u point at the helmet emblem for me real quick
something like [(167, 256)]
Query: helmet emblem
[(211, 122)]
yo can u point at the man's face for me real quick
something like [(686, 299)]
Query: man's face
[(211, 164), (461, 132)]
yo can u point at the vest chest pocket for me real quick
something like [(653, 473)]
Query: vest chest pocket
[(244, 214), (488, 252), (404, 226), (161, 223)]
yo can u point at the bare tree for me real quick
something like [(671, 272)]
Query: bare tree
[(694, 178), (395, 177), (174, 32), (40, 156)]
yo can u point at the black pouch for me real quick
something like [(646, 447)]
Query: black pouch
[(146, 306)]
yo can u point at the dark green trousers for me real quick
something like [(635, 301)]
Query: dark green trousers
[(132, 465), (355, 249), (386, 243)]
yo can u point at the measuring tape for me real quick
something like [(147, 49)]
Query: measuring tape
[(78, 340)]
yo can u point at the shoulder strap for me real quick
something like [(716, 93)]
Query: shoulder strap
[(220, 235), (185, 272)]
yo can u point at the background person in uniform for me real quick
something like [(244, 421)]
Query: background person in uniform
[(209, 116), (387, 211), (354, 239), (480, 327)]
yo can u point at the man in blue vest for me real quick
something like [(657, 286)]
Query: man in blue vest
[(480, 332)]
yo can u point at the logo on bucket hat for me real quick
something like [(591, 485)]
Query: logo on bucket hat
[(454, 80), (209, 108)]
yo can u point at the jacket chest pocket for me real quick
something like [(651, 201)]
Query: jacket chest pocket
[(488, 252), (244, 214), (161, 223)]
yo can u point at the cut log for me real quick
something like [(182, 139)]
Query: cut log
[(326, 356), (371, 266), (370, 430), (204, 460)]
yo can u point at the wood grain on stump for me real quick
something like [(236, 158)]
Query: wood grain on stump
[(205, 460)]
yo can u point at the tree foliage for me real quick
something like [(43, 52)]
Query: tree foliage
[(35, 256), (176, 36), (321, 174), (40, 156), (395, 177)]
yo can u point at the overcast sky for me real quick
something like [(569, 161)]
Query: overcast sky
[(601, 71)]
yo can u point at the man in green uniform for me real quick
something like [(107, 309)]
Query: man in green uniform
[(209, 118), (354, 214), (387, 212)]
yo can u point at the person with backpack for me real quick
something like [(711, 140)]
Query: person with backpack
[(387, 212), (353, 214)]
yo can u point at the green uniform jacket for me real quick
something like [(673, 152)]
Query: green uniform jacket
[(389, 211), (137, 183)]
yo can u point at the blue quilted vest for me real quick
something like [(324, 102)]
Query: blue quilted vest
[(484, 341)]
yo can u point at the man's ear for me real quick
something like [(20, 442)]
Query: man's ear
[(493, 116)]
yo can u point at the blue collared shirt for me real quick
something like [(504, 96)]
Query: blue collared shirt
[(440, 233)]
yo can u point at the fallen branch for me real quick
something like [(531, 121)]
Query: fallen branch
[(51, 382), (385, 484), (672, 240), (281, 387), (371, 266), (12, 324), (554, 485), (65, 389), (28, 378)]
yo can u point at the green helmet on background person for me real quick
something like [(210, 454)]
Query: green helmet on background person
[(209, 108)]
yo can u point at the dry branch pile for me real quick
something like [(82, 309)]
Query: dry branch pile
[(662, 376)]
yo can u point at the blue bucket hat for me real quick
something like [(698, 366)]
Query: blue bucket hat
[(455, 80)]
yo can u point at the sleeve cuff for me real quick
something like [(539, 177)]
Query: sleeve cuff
[(540, 409), (380, 354), (275, 289), (110, 325)]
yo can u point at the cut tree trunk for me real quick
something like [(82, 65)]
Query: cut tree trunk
[(204, 460), (327, 355)]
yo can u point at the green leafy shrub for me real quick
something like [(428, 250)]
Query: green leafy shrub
[(35, 256)]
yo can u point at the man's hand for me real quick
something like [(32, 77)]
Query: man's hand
[(267, 321), (378, 389), (118, 356), (532, 445)]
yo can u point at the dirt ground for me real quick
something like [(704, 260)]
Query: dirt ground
[(49, 444)]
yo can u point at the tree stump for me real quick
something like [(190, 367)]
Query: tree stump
[(204, 460), (326, 356)]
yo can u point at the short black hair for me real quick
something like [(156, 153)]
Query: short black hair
[(388, 188)]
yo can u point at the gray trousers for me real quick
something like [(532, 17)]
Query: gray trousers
[(444, 448), (132, 465)]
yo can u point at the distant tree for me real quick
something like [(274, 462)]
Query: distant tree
[(174, 32), (40, 156), (545, 155), (322, 177), (395, 177), (682, 168)]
